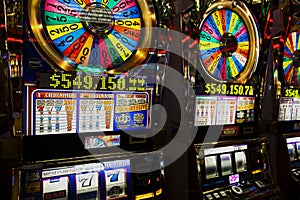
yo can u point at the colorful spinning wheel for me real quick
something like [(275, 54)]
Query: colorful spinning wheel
[(92, 35), (228, 42), (291, 59)]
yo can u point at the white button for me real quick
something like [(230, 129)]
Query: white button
[(296, 173), (223, 193), (260, 184), (217, 195)]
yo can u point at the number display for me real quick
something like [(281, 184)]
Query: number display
[(229, 89), (88, 82), (291, 92)]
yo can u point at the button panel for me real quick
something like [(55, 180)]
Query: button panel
[(241, 190)]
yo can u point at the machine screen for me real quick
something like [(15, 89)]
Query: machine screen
[(223, 163), (57, 111), (221, 110)]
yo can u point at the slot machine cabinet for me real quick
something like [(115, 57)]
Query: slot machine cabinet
[(230, 58), (92, 55), (233, 61), (78, 62), (86, 51), (238, 170), (285, 117)]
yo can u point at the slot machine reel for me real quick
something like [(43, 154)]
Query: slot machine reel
[(228, 42), (93, 36)]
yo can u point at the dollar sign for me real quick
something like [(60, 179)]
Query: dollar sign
[(55, 79), (207, 88)]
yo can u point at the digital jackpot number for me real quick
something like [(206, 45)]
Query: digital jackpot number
[(291, 92), (229, 89), (87, 82)]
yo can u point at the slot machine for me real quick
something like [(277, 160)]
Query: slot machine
[(239, 170), (285, 120), (84, 94), (233, 38), (225, 68)]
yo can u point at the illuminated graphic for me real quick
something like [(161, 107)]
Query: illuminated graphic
[(229, 89), (92, 142), (216, 110), (89, 82), (235, 178), (291, 92), (228, 42), (286, 107), (62, 111), (291, 59), (92, 36)]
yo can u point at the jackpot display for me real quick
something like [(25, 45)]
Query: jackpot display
[(289, 101), (229, 57), (76, 61), (236, 170), (224, 68)]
